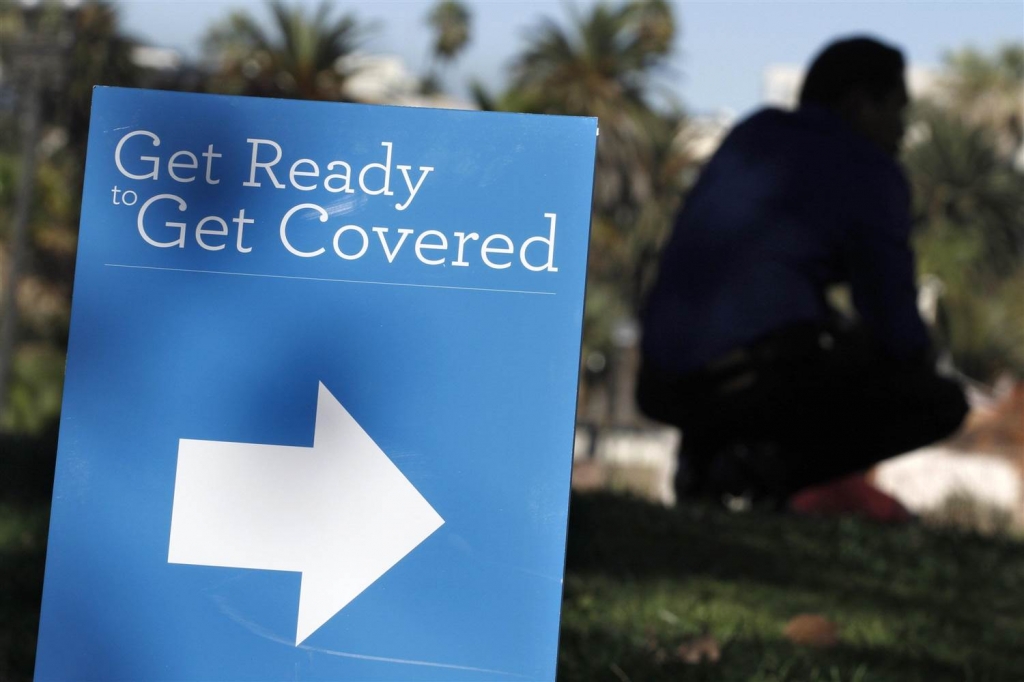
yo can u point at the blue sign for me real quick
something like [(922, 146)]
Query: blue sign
[(321, 382)]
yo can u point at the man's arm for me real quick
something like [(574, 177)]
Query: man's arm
[(881, 267)]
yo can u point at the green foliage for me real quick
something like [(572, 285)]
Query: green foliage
[(969, 203), (44, 293), (989, 89), (36, 389), (961, 182), (99, 55)]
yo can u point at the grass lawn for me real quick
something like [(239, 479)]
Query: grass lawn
[(911, 603)]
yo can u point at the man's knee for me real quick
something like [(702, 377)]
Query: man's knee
[(935, 409)]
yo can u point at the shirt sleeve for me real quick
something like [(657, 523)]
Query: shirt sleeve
[(881, 266)]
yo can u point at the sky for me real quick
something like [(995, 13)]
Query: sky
[(722, 47)]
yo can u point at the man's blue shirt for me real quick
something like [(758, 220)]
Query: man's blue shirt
[(791, 203)]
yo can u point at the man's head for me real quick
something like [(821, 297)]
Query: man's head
[(861, 80)]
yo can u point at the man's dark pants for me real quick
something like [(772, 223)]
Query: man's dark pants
[(823, 402)]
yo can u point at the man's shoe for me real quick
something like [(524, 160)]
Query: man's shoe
[(852, 495)]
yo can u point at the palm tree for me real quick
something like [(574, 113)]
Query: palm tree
[(450, 21), (602, 66), (301, 56), (606, 63)]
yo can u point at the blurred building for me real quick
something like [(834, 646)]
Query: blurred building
[(385, 79), (157, 58), (780, 84), (780, 88)]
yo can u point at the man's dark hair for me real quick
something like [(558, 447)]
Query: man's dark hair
[(852, 64)]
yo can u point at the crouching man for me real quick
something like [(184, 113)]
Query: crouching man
[(741, 349)]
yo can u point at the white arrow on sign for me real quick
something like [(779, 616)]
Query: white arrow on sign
[(340, 512)]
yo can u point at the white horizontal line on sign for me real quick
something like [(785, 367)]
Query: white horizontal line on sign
[(328, 279)]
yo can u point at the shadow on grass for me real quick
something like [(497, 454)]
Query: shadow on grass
[(603, 655), (913, 600), (28, 465), (21, 574), (25, 490)]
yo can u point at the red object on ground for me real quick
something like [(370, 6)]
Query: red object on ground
[(852, 495)]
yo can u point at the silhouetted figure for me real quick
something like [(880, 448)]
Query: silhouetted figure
[(741, 349)]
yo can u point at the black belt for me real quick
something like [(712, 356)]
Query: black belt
[(790, 344)]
